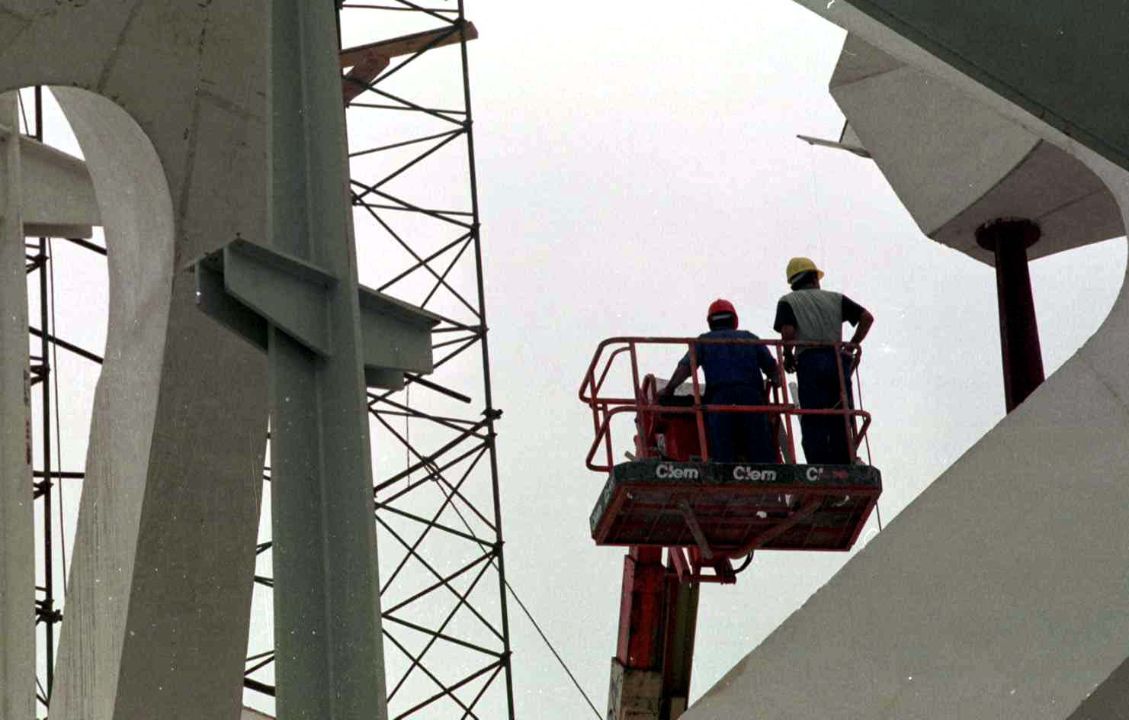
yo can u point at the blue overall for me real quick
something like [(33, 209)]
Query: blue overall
[(825, 437), (733, 377)]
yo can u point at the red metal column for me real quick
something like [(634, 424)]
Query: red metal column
[(1019, 331)]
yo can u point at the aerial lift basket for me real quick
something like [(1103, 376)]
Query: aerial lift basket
[(670, 494)]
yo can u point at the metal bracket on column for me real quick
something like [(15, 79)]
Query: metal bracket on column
[(396, 338), (249, 287)]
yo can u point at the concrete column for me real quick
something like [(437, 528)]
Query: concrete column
[(17, 534), (159, 594), (1019, 330), (160, 578)]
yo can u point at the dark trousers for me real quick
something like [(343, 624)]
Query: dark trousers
[(738, 436), (825, 436)]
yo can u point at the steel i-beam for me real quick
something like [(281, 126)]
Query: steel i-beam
[(328, 644), (325, 337)]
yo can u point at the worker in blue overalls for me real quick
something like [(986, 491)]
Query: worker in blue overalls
[(733, 377), (811, 314)]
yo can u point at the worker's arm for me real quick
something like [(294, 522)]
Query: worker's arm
[(788, 334), (785, 324), (679, 376), (767, 364), (861, 318), (865, 321)]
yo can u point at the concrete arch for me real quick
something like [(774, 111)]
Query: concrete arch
[(1001, 591), (167, 100)]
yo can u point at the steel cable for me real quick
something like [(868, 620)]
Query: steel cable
[(528, 614)]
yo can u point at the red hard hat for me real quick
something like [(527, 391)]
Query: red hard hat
[(721, 307)]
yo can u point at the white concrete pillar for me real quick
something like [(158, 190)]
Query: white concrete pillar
[(17, 533), (170, 113)]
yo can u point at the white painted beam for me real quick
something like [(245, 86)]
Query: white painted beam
[(57, 195), (17, 534)]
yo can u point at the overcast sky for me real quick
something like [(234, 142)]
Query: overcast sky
[(640, 161), (635, 163)]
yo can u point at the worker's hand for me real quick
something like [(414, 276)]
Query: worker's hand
[(789, 363)]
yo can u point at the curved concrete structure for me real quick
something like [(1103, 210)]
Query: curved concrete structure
[(160, 584), (957, 163), (1001, 591)]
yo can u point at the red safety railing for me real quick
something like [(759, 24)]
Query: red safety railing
[(614, 352)]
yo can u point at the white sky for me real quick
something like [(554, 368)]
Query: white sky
[(639, 161), (636, 162)]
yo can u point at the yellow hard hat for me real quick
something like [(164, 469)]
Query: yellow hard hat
[(799, 265)]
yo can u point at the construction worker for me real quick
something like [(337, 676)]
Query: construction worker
[(811, 314), (733, 377)]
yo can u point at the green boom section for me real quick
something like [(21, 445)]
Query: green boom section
[(1062, 60)]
